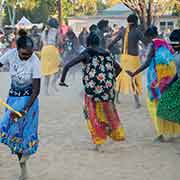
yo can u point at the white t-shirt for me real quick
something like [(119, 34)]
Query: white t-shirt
[(51, 38), (22, 72)]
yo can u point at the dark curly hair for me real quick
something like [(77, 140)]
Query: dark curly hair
[(24, 42), (151, 31), (132, 19), (102, 24), (175, 35), (93, 39)]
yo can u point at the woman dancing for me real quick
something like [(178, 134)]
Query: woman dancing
[(99, 74), (168, 106), (20, 134), (161, 69)]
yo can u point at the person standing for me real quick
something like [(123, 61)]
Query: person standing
[(71, 50), (103, 29), (36, 37), (50, 57), (129, 59), (83, 37), (20, 134)]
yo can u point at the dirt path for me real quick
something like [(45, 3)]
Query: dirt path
[(65, 147)]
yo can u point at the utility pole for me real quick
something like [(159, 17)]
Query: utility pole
[(59, 8)]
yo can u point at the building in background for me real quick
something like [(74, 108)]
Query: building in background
[(118, 15)]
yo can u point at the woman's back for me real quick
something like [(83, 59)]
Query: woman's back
[(49, 37)]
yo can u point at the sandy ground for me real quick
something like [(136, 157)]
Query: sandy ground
[(65, 146)]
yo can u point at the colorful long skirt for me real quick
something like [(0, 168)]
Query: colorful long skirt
[(162, 126), (169, 106), (50, 60), (103, 121), (124, 82), (21, 136)]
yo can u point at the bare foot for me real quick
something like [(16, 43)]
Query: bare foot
[(98, 148), (118, 101), (24, 159), (138, 106), (159, 139), (24, 175)]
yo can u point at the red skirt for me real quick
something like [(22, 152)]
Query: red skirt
[(103, 121)]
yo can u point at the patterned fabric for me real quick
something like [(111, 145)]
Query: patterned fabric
[(162, 126), (20, 136), (18, 92), (98, 78), (168, 106), (161, 69), (103, 121), (68, 46)]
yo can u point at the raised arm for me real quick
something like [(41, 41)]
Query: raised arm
[(77, 60), (115, 40)]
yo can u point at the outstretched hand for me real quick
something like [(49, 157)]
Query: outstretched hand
[(63, 84), (130, 73)]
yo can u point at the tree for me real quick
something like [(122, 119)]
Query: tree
[(101, 5), (148, 11), (176, 10), (85, 7), (67, 8), (35, 10), (11, 7)]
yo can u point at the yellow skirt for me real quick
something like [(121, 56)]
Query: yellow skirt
[(124, 81), (50, 60), (162, 127)]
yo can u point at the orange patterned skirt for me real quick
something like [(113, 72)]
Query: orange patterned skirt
[(103, 121)]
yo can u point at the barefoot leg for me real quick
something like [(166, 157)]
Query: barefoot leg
[(23, 166), (137, 102), (117, 97)]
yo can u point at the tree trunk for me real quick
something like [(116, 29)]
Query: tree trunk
[(9, 14), (13, 16), (149, 13), (59, 8)]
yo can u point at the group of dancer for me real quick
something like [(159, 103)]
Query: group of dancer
[(101, 73)]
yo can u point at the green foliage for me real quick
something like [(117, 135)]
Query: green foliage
[(101, 5), (39, 10), (176, 10), (67, 8)]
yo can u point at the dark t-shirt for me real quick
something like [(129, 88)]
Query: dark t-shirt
[(36, 41), (134, 37)]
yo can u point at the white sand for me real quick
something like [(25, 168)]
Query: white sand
[(65, 146)]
